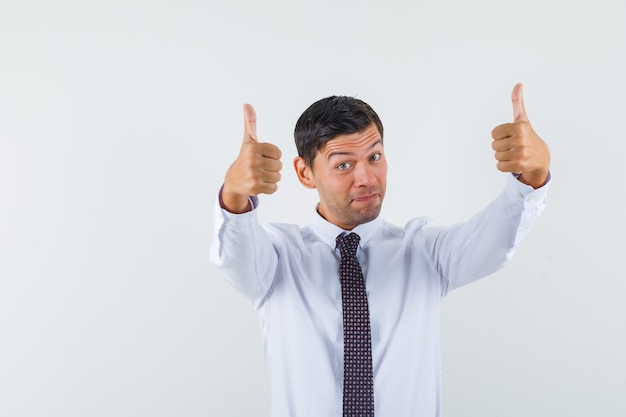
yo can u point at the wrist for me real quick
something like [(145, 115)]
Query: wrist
[(233, 202), (535, 179)]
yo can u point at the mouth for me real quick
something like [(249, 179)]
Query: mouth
[(366, 198)]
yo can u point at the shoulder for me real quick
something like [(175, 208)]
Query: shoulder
[(415, 223), (413, 228), (287, 231)]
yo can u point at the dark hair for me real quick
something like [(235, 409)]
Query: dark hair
[(330, 117)]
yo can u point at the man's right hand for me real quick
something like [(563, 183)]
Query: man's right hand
[(255, 171)]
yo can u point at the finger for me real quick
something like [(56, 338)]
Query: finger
[(271, 165), (501, 145), (271, 177), (508, 166), (519, 111), (502, 131), (504, 156), (268, 188), (269, 150), (249, 123)]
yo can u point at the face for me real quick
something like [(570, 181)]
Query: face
[(350, 175)]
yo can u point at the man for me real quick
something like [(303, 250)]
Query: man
[(360, 336)]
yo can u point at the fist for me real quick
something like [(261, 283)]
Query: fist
[(255, 171), (517, 147)]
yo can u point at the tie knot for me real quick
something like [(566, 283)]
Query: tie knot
[(348, 244)]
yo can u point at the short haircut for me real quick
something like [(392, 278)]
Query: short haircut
[(330, 117)]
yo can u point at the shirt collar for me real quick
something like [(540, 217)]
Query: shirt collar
[(328, 232)]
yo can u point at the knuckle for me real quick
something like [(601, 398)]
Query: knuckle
[(271, 188)]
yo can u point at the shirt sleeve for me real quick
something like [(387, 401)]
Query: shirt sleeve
[(243, 251), (474, 249)]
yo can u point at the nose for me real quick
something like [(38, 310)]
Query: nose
[(363, 175)]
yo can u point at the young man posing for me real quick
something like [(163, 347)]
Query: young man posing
[(349, 305)]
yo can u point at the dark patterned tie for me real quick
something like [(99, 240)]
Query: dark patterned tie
[(358, 377)]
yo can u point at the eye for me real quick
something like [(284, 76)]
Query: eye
[(376, 157), (343, 166)]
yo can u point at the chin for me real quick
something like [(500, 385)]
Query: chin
[(365, 217)]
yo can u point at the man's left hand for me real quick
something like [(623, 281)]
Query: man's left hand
[(517, 147)]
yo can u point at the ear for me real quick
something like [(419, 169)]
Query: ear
[(303, 172)]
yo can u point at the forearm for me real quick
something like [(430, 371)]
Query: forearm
[(243, 252), (469, 251)]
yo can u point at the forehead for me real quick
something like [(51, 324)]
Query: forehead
[(352, 142)]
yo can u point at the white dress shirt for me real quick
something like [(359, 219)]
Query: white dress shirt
[(291, 276)]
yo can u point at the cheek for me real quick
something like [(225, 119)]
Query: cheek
[(382, 173), (337, 189), (337, 182)]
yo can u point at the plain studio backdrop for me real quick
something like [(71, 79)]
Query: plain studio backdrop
[(118, 120)]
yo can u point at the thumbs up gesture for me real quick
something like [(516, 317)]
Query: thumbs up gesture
[(255, 171), (518, 148)]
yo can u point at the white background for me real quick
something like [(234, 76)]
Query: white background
[(118, 120)]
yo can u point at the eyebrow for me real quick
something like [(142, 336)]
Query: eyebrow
[(330, 155)]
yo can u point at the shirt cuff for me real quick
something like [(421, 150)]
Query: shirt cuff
[(517, 190), (253, 200)]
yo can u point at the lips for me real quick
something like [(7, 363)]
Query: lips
[(366, 197)]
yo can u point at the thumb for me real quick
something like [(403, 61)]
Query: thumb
[(519, 111), (249, 123)]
